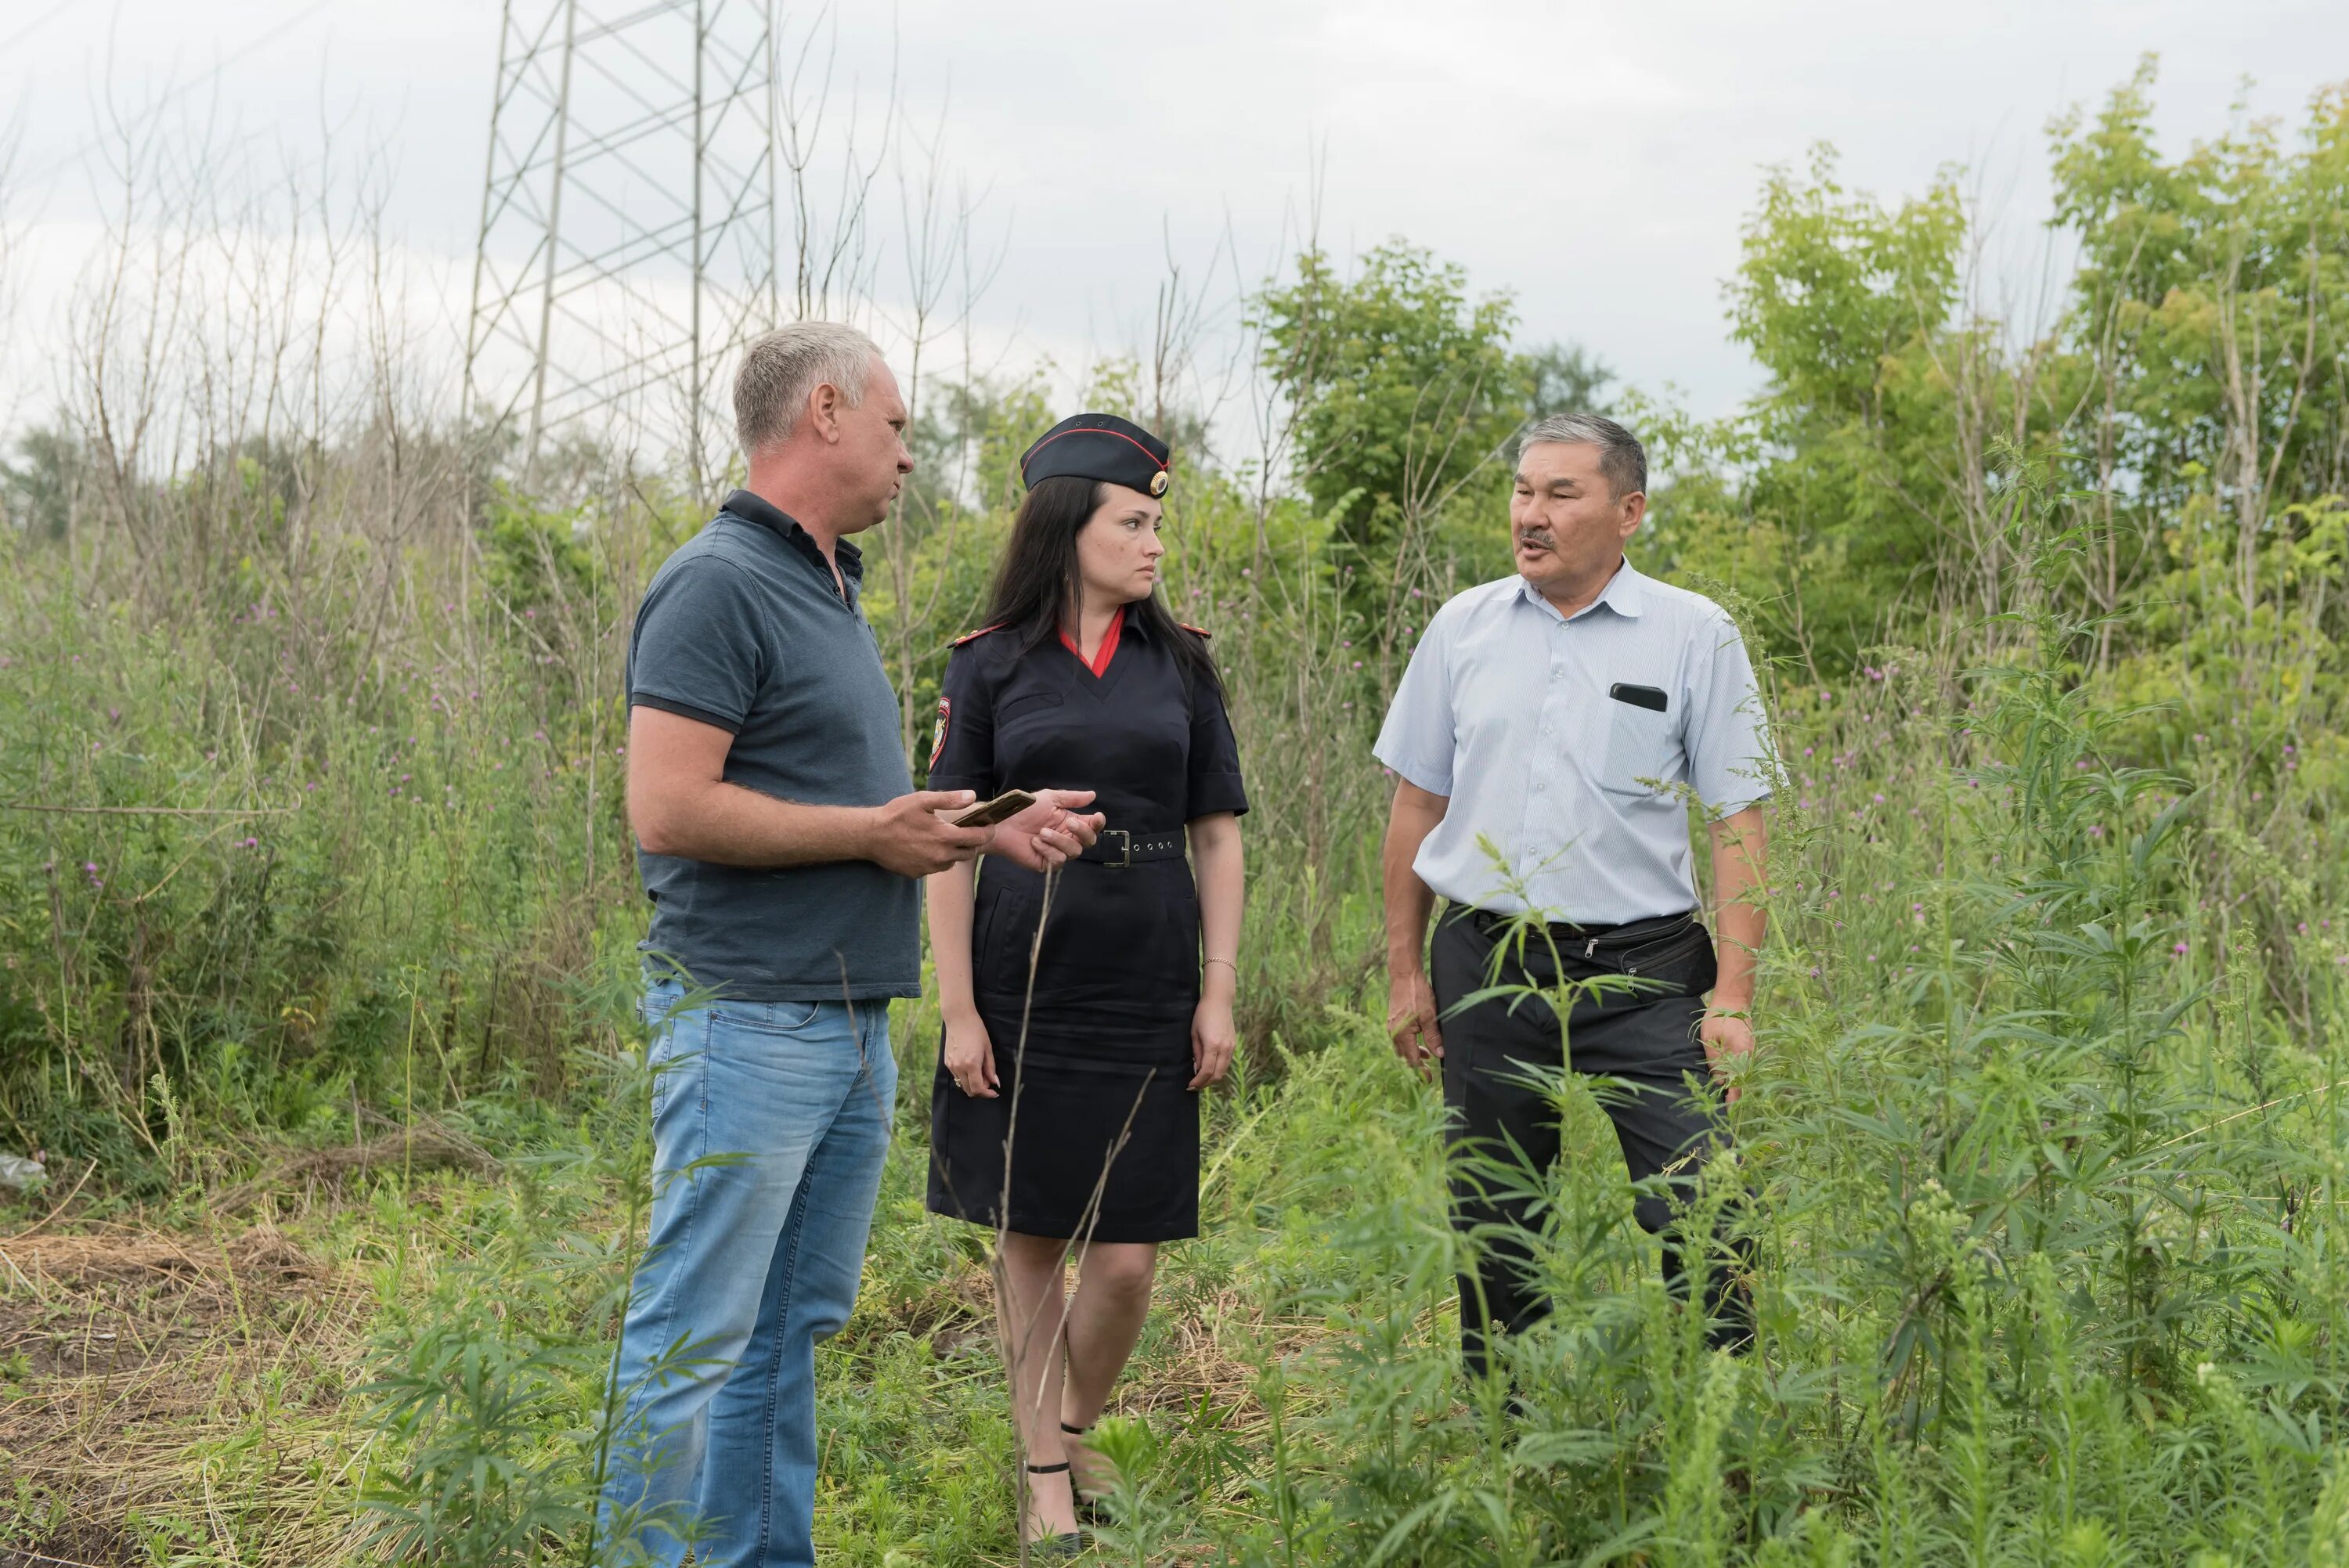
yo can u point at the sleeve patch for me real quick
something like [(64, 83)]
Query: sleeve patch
[(938, 737)]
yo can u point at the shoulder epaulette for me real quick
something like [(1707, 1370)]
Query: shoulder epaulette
[(1200, 630), (974, 636)]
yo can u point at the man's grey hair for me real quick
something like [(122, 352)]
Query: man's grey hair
[(1620, 457), (782, 369)]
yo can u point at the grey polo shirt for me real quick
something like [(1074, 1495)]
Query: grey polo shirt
[(743, 628), (1561, 795)]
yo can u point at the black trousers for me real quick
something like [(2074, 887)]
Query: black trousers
[(1640, 1030)]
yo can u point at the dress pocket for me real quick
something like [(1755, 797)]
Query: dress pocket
[(1177, 949), (1006, 934), (1638, 749)]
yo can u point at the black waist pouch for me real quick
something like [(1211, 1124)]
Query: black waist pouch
[(1670, 956)]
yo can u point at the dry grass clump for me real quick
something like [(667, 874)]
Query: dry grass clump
[(145, 1375), (1212, 1357), (323, 1171)]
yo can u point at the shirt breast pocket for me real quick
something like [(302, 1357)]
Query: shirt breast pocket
[(1640, 744), (1027, 704)]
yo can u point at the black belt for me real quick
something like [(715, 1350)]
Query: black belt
[(1118, 849)]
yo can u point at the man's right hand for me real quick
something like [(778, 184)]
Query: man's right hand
[(1411, 1021), (908, 835)]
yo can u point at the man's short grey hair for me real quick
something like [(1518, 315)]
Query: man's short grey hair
[(784, 367), (1620, 457)]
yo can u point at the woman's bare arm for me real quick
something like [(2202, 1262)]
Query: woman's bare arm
[(1221, 870), (949, 896)]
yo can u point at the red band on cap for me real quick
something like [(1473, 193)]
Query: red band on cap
[(1093, 430)]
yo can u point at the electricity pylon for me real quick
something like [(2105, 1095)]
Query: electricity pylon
[(628, 239)]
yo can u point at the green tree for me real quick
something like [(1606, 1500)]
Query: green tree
[(2206, 338), (1848, 303), (37, 494), (1403, 388), (1566, 379)]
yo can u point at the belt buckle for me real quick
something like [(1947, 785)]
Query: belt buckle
[(1125, 845)]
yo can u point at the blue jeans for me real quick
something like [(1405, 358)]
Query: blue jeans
[(751, 1261)]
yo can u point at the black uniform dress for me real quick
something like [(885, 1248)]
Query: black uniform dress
[(1101, 1079)]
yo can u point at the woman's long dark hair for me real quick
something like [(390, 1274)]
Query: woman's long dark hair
[(1038, 590)]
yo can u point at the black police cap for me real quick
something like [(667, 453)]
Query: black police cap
[(1098, 447)]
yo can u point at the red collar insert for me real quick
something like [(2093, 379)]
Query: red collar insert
[(1099, 663)]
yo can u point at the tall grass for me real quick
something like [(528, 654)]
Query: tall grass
[(310, 746), (2047, 1142)]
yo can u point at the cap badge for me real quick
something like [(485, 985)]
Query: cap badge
[(1158, 482)]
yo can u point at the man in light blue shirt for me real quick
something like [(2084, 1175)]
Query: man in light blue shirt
[(1549, 737)]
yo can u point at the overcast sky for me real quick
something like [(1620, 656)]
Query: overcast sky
[(1596, 160)]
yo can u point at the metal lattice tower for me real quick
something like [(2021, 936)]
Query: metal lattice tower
[(628, 219)]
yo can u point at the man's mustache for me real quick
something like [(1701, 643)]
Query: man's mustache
[(1537, 536)]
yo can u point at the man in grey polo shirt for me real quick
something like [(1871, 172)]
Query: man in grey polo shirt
[(1548, 737), (779, 840)]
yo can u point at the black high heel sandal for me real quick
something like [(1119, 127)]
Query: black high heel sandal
[(1090, 1511), (1055, 1544)]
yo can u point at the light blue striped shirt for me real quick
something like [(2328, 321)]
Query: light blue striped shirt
[(1505, 709)]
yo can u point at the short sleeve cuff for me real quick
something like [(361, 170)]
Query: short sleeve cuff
[(683, 709), (976, 785), (1214, 793), (1739, 799), (1412, 771)]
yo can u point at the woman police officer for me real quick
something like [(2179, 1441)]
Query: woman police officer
[(1063, 1113)]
